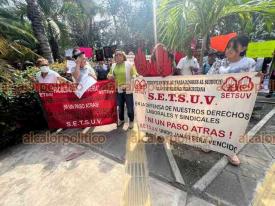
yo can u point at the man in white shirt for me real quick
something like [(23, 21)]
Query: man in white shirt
[(188, 65)]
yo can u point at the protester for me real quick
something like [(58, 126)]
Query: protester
[(209, 63), (82, 68), (102, 70), (122, 71), (188, 65), (46, 75), (235, 62), (271, 78)]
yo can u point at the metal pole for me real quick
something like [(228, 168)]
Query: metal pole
[(155, 21)]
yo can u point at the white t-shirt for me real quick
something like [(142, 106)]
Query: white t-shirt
[(85, 72), (223, 66), (51, 78), (185, 64)]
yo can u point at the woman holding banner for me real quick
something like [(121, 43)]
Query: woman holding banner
[(235, 62), (123, 72)]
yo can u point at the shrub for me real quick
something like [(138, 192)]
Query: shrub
[(20, 108)]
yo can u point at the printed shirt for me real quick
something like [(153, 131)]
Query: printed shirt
[(50, 78), (223, 66)]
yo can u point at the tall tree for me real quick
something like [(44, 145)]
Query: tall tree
[(131, 23), (36, 17)]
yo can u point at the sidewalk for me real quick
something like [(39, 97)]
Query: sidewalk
[(238, 185), (39, 175)]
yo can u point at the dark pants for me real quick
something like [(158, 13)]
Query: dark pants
[(271, 85), (123, 98)]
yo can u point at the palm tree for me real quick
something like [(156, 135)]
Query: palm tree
[(36, 17), (17, 42), (14, 27), (180, 20)]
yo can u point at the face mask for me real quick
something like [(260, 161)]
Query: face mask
[(45, 69)]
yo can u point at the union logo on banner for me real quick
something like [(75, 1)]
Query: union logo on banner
[(140, 86), (231, 84)]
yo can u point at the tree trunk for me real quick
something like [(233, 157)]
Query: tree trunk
[(55, 48), (53, 43), (203, 49), (35, 16)]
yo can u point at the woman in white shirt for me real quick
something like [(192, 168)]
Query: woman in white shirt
[(235, 62)]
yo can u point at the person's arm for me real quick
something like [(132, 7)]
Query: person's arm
[(110, 74), (92, 73), (63, 80), (134, 72), (194, 67), (76, 72), (59, 78), (197, 66), (179, 67)]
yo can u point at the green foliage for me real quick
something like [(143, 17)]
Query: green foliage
[(20, 109), (178, 19), (15, 28), (131, 23), (80, 23), (15, 52)]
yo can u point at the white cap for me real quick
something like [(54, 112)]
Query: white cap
[(45, 69)]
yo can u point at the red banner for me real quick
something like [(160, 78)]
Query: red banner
[(88, 51), (64, 109)]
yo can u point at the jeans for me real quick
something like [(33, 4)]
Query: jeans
[(123, 98)]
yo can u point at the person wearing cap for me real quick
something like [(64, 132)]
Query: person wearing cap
[(46, 75), (123, 72), (82, 68)]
